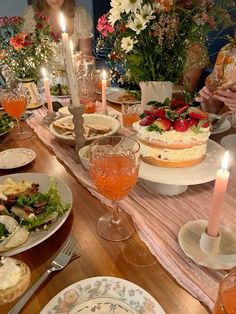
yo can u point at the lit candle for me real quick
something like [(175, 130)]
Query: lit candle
[(47, 91), (72, 82), (104, 96), (221, 182)]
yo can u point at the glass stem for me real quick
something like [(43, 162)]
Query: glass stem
[(19, 126), (115, 213)]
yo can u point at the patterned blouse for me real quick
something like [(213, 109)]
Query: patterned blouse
[(82, 30), (224, 73)]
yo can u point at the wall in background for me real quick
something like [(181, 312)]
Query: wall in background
[(12, 7)]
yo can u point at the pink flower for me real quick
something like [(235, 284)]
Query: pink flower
[(164, 5), (103, 26)]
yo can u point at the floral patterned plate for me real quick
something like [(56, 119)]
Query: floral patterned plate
[(103, 295)]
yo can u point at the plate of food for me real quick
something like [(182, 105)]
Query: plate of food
[(117, 96), (104, 295), (59, 90), (220, 123), (6, 124), (33, 207), (95, 126)]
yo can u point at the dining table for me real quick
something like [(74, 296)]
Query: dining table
[(94, 255)]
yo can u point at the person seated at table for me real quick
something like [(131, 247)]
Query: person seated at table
[(77, 20), (219, 93)]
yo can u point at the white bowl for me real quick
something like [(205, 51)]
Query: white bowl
[(93, 118), (84, 156)]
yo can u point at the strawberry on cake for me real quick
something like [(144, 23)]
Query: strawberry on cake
[(173, 134)]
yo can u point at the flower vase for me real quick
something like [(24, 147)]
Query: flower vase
[(157, 91), (30, 90)]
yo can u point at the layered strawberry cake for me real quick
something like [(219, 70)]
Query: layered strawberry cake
[(173, 134)]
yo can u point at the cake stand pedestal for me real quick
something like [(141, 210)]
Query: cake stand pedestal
[(165, 189), (212, 252), (174, 181)]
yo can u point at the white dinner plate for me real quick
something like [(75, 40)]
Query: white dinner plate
[(113, 96), (229, 143), (11, 124), (16, 157), (201, 173), (43, 180), (225, 126), (103, 295)]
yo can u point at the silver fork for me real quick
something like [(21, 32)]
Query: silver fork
[(59, 262)]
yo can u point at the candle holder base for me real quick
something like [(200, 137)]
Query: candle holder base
[(50, 117), (214, 253)]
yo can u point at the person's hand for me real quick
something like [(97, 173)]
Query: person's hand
[(228, 97), (204, 95)]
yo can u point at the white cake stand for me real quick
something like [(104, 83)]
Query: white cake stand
[(173, 181)]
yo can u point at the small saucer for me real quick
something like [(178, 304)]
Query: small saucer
[(225, 126), (16, 157), (229, 143), (189, 240)]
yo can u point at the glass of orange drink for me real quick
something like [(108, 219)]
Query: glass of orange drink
[(14, 103), (226, 302), (114, 166), (130, 113)]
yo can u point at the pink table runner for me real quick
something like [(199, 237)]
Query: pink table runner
[(159, 218)]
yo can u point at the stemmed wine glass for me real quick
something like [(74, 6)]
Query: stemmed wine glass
[(14, 103), (114, 166)]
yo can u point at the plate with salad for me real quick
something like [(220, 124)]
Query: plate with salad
[(6, 124), (33, 206), (59, 90)]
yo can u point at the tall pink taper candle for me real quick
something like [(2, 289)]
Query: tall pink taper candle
[(47, 91), (221, 183), (104, 96)]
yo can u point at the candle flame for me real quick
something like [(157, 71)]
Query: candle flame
[(104, 75), (44, 72), (225, 160), (62, 23)]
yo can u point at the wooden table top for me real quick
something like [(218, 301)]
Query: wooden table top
[(98, 257)]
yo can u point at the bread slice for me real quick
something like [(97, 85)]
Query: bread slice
[(13, 289)]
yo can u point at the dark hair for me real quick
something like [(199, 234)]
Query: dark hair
[(68, 6)]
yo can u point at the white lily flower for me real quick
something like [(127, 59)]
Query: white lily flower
[(131, 5), (138, 24), (147, 12), (127, 44), (114, 16)]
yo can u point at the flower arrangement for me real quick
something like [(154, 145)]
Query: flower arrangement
[(23, 53), (154, 38)]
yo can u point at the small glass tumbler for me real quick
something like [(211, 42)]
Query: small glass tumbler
[(226, 302), (130, 113)]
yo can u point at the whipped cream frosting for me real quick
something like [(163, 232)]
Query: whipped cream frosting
[(10, 273), (172, 136), (173, 154)]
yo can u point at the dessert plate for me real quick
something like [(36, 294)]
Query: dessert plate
[(103, 295), (41, 235), (16, 157), (114, 96), (225, 126), (229, 143)]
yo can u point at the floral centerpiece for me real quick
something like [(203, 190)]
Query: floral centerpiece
[(23, 53), (154, 38)]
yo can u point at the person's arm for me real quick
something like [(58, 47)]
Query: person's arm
[(191, 79), (228, 97), (85, 46), (83, 27), (208, 100)]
